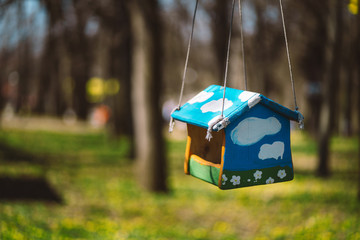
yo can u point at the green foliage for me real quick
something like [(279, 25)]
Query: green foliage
[(103, 201)]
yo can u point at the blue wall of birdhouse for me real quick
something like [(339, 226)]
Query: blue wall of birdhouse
[(258, 139)]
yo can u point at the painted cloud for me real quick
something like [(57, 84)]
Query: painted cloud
[(251, 97), (201, 97), (252, 129), (216, 105), (275, 150), (246, 95)]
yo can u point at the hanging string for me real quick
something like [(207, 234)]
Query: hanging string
[(288, 55), (242, 45), (220, 117), (227, 57), (188, 53), (172, 122)]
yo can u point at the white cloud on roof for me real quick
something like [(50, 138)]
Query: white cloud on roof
[(216, 105), (201, 97), (251, 97), (252, 129)]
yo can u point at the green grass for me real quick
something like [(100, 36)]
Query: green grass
[(103, 200)]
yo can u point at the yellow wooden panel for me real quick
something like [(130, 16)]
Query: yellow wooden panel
[(204, 162), (187, 155)]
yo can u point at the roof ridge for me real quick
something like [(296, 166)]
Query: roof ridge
[(242, 101)]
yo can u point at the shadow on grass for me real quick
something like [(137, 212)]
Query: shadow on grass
[(25, 188), (13, 154), (28, 189)]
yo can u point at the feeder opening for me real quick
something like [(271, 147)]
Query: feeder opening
[(207, 153)]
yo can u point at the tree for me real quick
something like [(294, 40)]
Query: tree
[(266, 46), (358, 91), (350, 63), (312, 60), (79, 49), (331, 83), (50, 95), (114, 48), (146, 80), (220, 13), (120, 68)]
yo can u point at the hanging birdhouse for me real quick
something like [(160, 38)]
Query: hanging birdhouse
[(249, 133), (249, 146)]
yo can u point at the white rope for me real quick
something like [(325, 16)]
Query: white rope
[(288, 54), (227, 57), (242, 45), (212, 123), (172, 122), (221, 117)]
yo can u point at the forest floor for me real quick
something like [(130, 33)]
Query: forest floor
[(93, 193)]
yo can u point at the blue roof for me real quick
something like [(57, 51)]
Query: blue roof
[(206, 106)]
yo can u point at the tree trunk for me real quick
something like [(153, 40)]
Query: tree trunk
[(327, 117), (80, 54), (80, 74), (347, 129), (261, 53), (220, 31), (50, 92), (48, 72), (25, 75), (146, 80), (358, 105), (267, 45), (358, 78), (313, 61), (358, 94), (120, 68), (350, 73)]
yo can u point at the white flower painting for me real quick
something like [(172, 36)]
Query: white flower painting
[(235, 180), (216, 105), (224, 179), (251, 130), (270, 180), (201, 97), (257, 175), (281, 173)]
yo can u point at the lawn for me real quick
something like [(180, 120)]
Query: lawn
[(101, 198)]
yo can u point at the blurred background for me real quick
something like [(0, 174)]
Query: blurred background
[(86, 90)]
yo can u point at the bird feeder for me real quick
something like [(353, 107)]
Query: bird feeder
[(250, 146), (249, 133)]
